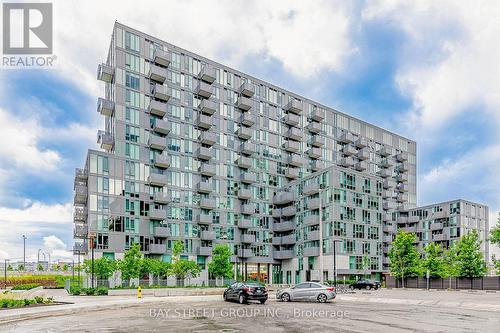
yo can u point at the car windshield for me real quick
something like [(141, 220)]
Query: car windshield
[(254, 285)]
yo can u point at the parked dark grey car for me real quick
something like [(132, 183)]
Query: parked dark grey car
[(307, 291)]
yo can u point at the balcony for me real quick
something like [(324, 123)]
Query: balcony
[(361, 142), (388, 239), (363, 154), (161, 197), (317, 115), (244, 103), (311, 251), (248, 178), (205, 251), (105, 73), (291, 119), (402, 157), (439, 215), (403, 187), (389, 205), (436, 226), (248, 148), (245, 222), (157, 248), (157, 214), (386, 163), (402, 220), (162, 232), (387, 194), (292, 173), (157, 142), (346, 137), (386, 217), (204, 219), (162, 161), (207, 138), (207, 235), (157, 108), (207, 74), (276, 240), (384, 173), (317, 165), (403, 167), (413, 219), (346, 162), (207, 169), (105, 107), (282, 198), (204, 122), (348, 150), (245, 253), (402, 177), (389, 183), (385, 151), (438, 237), (310, 189), (161, 57), (311, 220), (80, 231), (244, 133), (203, 90), (288, 240), (317, 141), (314, 152), (204, 187), (81, 174), (295, 160), (314, 127), (207, 106), (283, 226), (157, 74), (289, 211), (313, 235), (80, 247), (247, 238), (244, 162), (80, 214), (294, 106), (389, 229), (291, 146), (157, 179), (361, 166), (247, 89), (314, 203), (106, 140), (244, 194), (294, 133), (160, 92), (206, 203), (402, 197), (283, 254), (247, 119), (204, 153), (161, 126), (410, 229), (248, 209)]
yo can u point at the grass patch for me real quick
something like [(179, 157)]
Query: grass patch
[(26, 286)]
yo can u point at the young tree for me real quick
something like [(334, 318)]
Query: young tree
[(182, 268), (39, 267), (65, 267), (220, 266), (495, 233), (9, 268), (450, 261), (130, 266), (155, 267), (470, 261), (433, 260), (20, 268), (496, 264), (103, 267), (404, 256)]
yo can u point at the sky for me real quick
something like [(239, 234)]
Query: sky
[(427, 70)]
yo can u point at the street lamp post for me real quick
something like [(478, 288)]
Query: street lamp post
[(334, 241), (24, 251), (5, 273)]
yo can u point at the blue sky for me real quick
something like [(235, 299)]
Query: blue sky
[(427, 70)]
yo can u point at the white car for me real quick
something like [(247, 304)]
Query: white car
[(307, 291)]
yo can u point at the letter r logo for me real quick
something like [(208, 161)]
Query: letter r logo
[(27, 28)]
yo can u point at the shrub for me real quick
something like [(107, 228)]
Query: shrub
[(102, 291), (39, 299), (75, 290), (89, 291), (26, 286)]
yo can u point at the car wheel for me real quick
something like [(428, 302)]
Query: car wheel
[(285, 297), (262, 301), (322, 298), (376, 287), (368, 287), (242, 299), (351, 287)]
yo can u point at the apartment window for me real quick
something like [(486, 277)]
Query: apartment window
[(132, 116), (132, 133), (340, 228), (359, 231), (367, 186), (132, 151), (132, 81), (175, 60), (132, 62), (347, 181), (373, 233), (132, 42)]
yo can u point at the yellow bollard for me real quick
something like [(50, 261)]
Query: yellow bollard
[(139, 292)]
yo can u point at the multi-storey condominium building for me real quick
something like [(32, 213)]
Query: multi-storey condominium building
[(197, 151)]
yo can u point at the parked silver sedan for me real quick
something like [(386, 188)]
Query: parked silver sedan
[(307, 291)]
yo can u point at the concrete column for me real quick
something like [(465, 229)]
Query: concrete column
[(258, 272), (269, 273), (245, 277)]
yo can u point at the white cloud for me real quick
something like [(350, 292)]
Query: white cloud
[(52, 242)]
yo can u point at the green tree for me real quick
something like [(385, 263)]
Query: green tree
[(220, 266), (496, 264), (178, 248), (55, 267), (404, 256), (495, 233), (182, 268), (157, 268), (39, 267), (470, 260), (131, 264), (433, 260), (20, 268), (450, 261), (65, 267), (9, 268), (103, 267)]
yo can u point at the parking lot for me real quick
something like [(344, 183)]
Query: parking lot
[(365, 311)]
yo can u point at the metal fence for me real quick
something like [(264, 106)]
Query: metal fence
[(483, 283)]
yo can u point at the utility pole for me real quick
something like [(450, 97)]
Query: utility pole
[(5, 273), (335, 241), (24, 252), (320, 238)]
